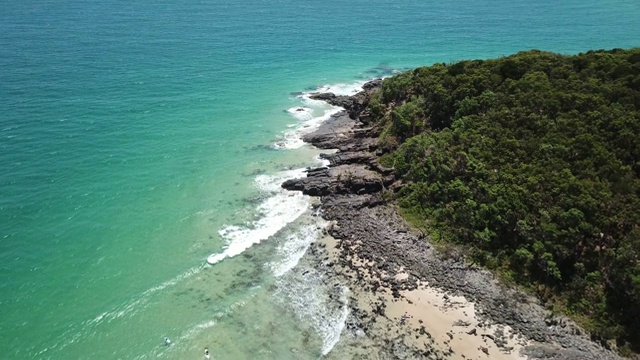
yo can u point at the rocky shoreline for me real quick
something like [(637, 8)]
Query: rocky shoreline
[(408, 301)]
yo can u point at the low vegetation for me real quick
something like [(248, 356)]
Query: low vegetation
[(532, 162)]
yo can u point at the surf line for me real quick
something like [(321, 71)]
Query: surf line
[(274, 214), (283, 207)]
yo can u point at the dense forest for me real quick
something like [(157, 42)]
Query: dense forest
[(532, 163)]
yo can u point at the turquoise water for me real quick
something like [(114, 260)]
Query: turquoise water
[(139, 138)]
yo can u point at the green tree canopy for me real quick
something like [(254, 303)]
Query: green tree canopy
[(533, 162)]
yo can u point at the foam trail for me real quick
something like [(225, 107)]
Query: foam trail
[(331, 333), (310, 298), (314, 112), (144, 297), (322, 162), (341, 89), (195, 330), (295, 246), (278, 210), (301, 113), (82, 330), (189, 334), (293, 138), (306, 293)]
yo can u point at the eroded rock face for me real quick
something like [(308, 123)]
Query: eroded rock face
[(354, 105), (342, 179), (365, 225), (353, 169)]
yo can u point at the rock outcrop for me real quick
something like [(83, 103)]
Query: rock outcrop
[(354, 105), (370, 229)]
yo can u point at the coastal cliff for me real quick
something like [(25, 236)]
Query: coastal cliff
[(414, 300)]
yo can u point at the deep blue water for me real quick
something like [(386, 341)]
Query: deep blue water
[(137, 138)]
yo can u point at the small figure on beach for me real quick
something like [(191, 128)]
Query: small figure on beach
[(167, 341), (206, 353)]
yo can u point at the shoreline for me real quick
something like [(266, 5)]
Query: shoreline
[(407, 300)]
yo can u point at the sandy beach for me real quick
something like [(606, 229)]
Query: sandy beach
[(427, 319)]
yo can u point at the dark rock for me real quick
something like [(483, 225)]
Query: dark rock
[(489, 336), (461, 323), (323, 96), (350, 189), (353, 104)]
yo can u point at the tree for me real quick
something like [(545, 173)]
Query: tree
[(533, 162)]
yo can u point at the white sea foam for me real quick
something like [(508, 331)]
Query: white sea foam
[(274, 213), (342, 89), (145, 296), (331, 333), (295, 246), (83, 330), (322, 162), (308, 294), (313, 113), (184, 338), (195, 330), (293, 138), (301, 113), (142, 299)]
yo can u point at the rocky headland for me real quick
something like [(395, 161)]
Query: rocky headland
[(408, 300)]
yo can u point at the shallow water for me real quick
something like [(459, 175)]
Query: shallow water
[(139, 138)]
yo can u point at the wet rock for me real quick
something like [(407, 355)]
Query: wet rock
[(353, 104)]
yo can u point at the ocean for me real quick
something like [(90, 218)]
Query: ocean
[(139, 138)]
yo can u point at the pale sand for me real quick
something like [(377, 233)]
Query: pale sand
[(426, 318), (449, 319)]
